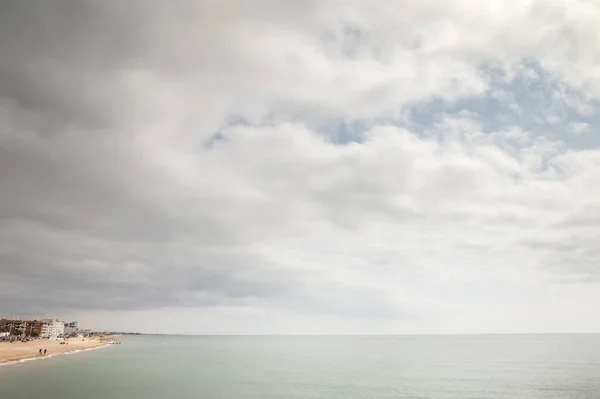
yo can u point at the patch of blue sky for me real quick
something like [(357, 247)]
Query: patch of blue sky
[(528, 99), (531, 100)]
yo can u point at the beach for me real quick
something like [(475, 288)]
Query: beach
[(24, 350)]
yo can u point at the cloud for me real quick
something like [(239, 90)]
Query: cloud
[(324, 167)]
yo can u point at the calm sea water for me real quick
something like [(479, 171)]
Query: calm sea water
[(458, 367)]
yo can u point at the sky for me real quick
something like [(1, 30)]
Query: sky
[(314, 167)]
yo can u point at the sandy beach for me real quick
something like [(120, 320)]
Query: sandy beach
[(23, 350)]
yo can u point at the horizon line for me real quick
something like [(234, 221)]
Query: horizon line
[(358, 335)]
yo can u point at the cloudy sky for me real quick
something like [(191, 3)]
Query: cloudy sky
[(318, 166)]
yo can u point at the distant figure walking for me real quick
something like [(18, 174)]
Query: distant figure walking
[(44, 351), (40, 351)]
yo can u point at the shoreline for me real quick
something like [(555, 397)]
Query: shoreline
[(31, 359), (20, 352)]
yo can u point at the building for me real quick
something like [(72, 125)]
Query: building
[(22, 327), (13, 326), (34, 328), (71, 329), (52, 329)]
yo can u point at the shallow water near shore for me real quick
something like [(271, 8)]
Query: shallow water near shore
[(458, 367)]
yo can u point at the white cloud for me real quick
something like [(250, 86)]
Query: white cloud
[(579, 127)]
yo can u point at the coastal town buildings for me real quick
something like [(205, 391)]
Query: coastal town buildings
[(22, 327), (53, 329), (46, 328)]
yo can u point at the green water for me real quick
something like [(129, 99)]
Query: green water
[(460, 367)]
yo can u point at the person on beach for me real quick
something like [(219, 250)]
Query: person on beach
[(40, 351), (44, 352)]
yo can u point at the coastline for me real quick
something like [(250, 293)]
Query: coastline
[(23, 351)]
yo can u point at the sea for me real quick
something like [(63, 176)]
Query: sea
[(324, 367)]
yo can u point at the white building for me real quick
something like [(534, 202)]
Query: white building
[(53, 329)]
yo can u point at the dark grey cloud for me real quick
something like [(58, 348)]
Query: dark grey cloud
[(154, 277), (59, 60)]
